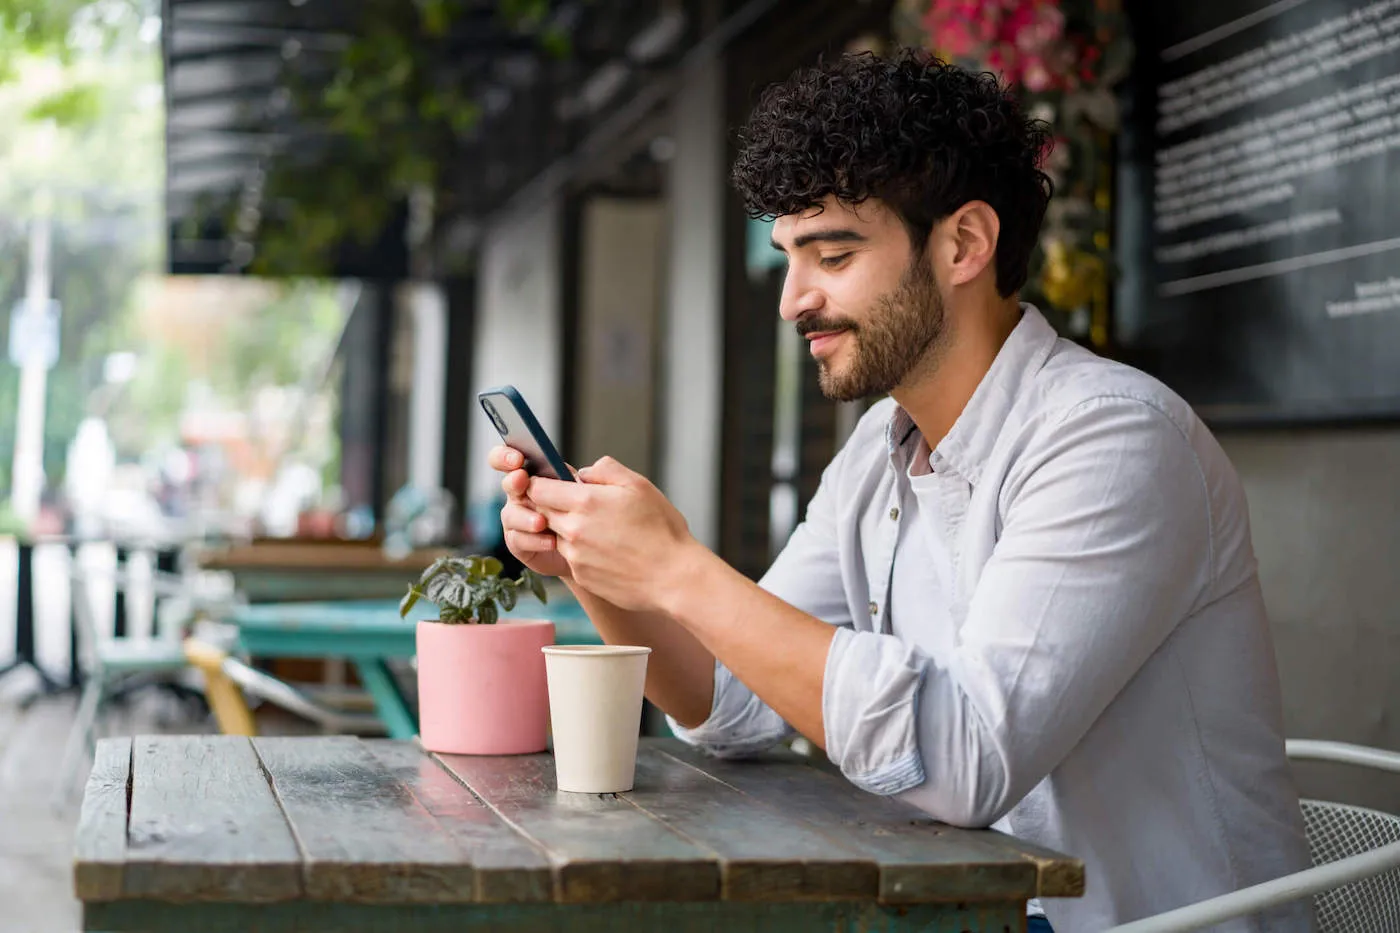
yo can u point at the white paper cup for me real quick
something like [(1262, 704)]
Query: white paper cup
[(595, 709)]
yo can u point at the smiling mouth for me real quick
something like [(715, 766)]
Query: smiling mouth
[(821, 341)]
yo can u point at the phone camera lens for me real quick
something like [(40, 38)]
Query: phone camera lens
[(494, 416)]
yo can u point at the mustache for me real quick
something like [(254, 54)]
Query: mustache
[(822, 325)]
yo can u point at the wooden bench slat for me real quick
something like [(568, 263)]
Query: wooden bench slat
[(764, 855), (204, 824), (100, 851), (603, 849), (920, 859), (509, 868), (391, 851)]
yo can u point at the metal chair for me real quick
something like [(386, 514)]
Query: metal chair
[(1355, 878), (107, 664)]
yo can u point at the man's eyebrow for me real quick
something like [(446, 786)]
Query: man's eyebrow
[(834, 235)]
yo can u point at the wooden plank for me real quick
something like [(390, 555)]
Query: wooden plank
[(204, 824), (509, 868), (603, 849), (363, 836), (920, 860), (692, 917), (100, 845), (763, 854), (1057, 875), (336, 557)]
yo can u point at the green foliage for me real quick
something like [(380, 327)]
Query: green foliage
[(396, 112), (468, 589), (72, 106), (61, 30), (80, 103), (10, 523)]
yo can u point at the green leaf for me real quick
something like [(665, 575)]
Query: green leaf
[(492, 567), (409, 601), (70, 107), (439, 566), (507, 598), (486, 614), (556, 43)]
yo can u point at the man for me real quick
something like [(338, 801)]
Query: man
[(1024, 594)]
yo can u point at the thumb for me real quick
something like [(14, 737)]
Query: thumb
[(607, 471)]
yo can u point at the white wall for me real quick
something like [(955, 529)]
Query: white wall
[(620, 294), (692, 356), (425, 306), (517, 331), (1324, 507)]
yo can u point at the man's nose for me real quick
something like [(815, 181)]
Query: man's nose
[(799, 298)]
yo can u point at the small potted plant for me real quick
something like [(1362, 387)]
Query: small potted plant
[(481, 679)]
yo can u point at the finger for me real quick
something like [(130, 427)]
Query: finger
[(522, 542), (566, 526), (556, 495), (516, 484), (504, 459), (607, 471), (517, 517)]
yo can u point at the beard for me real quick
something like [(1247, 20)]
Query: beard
[(904, 332)]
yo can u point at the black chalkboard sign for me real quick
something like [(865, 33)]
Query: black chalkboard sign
[(1258, 213)]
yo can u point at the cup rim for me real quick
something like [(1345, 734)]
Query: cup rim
[(595, 651)]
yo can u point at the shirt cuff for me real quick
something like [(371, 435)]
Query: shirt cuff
[(870, 695), (740, 723)]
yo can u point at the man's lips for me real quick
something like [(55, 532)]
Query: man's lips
[(820, 341)]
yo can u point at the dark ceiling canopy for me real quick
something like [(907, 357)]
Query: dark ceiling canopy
[(233, 67)]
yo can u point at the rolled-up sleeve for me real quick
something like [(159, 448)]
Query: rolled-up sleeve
[(869, 694), (806, 574)]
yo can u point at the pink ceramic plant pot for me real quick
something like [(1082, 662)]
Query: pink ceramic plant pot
[(481, 688)]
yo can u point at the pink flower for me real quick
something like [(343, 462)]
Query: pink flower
[(955, 39), (1035, 76)]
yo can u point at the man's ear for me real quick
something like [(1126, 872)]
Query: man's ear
[(971, 234)]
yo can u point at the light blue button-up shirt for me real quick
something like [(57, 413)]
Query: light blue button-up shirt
[(1051, 622)]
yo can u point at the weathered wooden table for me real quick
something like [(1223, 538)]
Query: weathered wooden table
[(218, 834)]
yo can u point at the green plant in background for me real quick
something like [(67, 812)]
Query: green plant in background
[(64, 30), (80, 103), (1064, 59), (393, 119), (467, 589)]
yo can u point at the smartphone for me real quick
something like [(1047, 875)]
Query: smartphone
[(519, 428)]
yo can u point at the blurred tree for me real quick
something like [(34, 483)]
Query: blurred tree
[(62, 30), (81, 99)]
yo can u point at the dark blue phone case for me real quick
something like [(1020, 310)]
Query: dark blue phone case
[(519, 428)]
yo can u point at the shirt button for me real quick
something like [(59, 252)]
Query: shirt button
[(874, 608), (894, 515)]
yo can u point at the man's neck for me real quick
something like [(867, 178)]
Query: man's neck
[(975, 336)]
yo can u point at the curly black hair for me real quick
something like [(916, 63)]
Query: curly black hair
[(915, 132)]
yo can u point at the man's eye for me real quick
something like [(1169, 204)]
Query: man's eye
[(831, 262)]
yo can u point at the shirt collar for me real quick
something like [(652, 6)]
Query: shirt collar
[(969, 443)]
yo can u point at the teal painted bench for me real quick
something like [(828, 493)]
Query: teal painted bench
[(368, 633)]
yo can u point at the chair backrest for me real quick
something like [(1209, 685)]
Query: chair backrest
[(84, 620), (1336, 831)]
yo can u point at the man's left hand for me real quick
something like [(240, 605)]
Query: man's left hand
[(624, 541)]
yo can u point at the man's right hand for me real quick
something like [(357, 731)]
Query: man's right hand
[(527, 535)]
